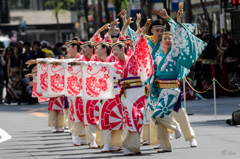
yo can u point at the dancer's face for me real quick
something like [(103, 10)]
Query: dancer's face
[(157, 33), (118, 53), (87, 51), (132, 47), (70, 50), (167, 41), (100, 51)]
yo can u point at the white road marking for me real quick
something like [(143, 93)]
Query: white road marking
[(4, 136)]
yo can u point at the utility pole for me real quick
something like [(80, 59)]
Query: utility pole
[(188, 11)]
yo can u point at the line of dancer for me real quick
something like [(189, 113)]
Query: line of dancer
[(110, 90)]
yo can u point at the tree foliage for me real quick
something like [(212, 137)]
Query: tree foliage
[(59, 7), (24, 4)]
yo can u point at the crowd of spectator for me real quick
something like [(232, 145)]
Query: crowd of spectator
[(13, 68), (219, 60)]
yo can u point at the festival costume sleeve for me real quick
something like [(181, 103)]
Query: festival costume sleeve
[(186, 49), (111, 58), (144, 58), (42, 83), (130, 32), (189, 26), (34, 90), (35, 94), (121, 37), (107, 38), (55, 78), (97, 80), (72, 78), (172, 24), (96, 38)]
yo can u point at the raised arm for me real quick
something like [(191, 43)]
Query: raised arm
[(128, 22), (139, 17), (186, 47), (97, 36), (104, 27), (163, 13), (107, 36), (123, 15), (143, 56)]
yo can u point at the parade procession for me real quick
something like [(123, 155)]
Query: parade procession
[(110, 93)]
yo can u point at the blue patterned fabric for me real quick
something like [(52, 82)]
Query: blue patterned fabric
[(130, 32), (175, 64)]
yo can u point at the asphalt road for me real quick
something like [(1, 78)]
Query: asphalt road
[(31, 138)]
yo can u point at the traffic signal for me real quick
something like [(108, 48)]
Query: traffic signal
[(235, 2)]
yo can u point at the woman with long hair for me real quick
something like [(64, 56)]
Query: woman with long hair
[(14, 71)]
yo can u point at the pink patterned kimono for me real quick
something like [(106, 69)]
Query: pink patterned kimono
[(138, 66), (76, 103)]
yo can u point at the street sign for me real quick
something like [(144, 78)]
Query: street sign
[(135, 7), (175, 4)]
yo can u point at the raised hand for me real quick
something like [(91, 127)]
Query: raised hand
[(145, 29), (123, 15), (129, 21), (115, 22), (104, 27), (163, 13), (139, 17), (112, 26), (179, 15)]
